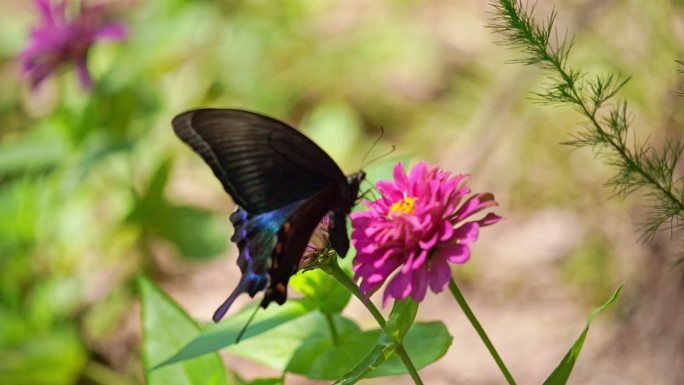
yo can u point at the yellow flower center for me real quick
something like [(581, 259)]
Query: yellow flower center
[(403, 206)]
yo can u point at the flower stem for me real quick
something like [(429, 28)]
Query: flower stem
[(334, 269), (333, 329), (480, 331)]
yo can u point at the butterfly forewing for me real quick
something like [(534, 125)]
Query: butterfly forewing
[(262, 163)]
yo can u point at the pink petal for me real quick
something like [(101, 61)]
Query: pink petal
[(440, 272), (389, 190), (386, 256), (467, 233), (422, 257), (453, 252), (417, 177), (400, 287), (400, 179), (476, 203), (489, 219), (429, 243), (111, 32), (446, 230), (420, 284), (408, 262)]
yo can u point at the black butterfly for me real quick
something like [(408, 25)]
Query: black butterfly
[(283, 183)]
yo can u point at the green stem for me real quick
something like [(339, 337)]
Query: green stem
[(332, 327), (480, 331), (334, 269)]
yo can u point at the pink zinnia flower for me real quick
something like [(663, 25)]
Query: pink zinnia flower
[(59, 39), (416, 227)]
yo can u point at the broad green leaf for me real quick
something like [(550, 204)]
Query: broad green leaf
[(322, 357), (562, 372), (380, 353), (276, 347), (400, 320), (305, 346), (425, 342), (166, 327), (321, 290), (224, 334)]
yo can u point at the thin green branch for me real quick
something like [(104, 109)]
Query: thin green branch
[(608, 125)]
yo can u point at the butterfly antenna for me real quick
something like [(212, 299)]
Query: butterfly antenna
[(381, 156), (370, 189), (382, 133), (244, 328)]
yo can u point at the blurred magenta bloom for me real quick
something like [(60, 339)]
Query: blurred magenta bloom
[(59, 39), (416, 227)]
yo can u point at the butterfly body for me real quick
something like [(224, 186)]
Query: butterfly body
[(283, 184)]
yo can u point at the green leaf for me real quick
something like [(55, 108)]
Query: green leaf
[(400, 320), (223, 334), (562, 372), (166, 327), (321, 290), (425, 342), (306, 346), (380, 353), (322, 357), (276, 347)]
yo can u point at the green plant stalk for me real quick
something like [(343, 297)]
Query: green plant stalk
[(480, 331), (334, 269), (333, 329), (559, 66)]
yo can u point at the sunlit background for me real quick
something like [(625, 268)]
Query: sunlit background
[(95, 188)]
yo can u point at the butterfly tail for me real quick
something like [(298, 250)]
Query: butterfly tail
[(248, 283)]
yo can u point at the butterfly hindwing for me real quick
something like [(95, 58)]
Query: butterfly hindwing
[(293, 237), (256, 237)]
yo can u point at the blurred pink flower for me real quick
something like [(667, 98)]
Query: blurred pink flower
[(59, 39), (416, 227)]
